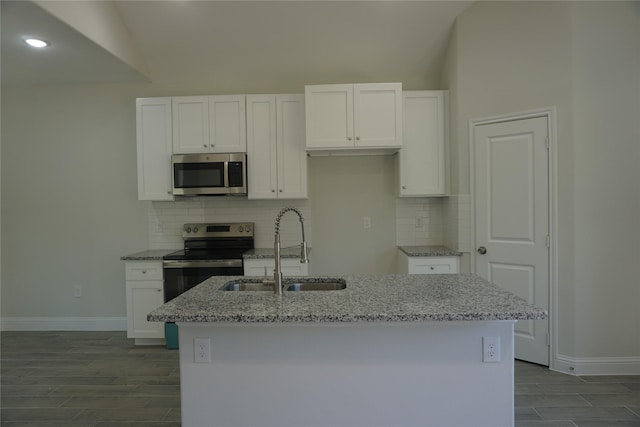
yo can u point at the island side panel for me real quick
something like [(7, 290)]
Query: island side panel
[(346, 374)]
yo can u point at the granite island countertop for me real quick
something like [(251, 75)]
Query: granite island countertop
[(367, 298)]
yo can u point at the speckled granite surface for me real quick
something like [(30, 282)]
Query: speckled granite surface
[(368, 298), (428, 251), (148, 255), (262, 253)]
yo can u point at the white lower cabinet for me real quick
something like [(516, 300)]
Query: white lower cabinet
[(264, 267), (144, 290), (427, 265)]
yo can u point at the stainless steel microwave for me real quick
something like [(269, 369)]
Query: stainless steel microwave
[(209, 174)]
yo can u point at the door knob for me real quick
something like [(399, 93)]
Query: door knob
[(482, 250)]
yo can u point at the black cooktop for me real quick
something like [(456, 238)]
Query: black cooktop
[(205, 254)]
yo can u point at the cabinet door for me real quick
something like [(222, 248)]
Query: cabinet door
[(421, 165), (291, 152), (142, 298), (329, 116), (154, 148), (261, 147), (378, 114), (190, 124), (227, 124)]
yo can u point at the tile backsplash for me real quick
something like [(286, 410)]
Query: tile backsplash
[(166, 219), (419, 221)]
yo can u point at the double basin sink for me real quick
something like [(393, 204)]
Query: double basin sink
[(289, 285)]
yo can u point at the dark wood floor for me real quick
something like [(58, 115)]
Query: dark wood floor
[(100, 379)]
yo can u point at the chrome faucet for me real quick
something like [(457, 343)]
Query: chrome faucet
[(304, 256)]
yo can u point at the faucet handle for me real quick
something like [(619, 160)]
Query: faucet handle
[(304, 253)]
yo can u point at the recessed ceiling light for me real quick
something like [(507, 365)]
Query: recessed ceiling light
[(36, 42)]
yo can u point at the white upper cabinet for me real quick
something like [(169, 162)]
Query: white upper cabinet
[(276, 157), (353, 116), (153, 137), (209, 124), (190, 124), (227, 124), (422, 160)]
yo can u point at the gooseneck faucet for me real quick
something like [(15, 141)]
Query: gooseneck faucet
[(304, 257)]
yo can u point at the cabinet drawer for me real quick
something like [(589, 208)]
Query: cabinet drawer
[(143, 271), (433, 265)]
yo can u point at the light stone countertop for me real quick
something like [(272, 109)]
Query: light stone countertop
[(420, 251), (148, 255), (367, 298)]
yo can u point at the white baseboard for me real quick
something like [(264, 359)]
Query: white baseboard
[(597, 365), (63, 324)]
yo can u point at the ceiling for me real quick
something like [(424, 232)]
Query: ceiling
[(240, 46)]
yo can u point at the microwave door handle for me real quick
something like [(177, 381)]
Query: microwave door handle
[(226, 174)]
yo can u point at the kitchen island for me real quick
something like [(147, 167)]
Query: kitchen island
[(396, 350)]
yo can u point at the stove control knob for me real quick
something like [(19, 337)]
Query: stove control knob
[(195, 229), (248, 229), (240, 229), (188, 229)]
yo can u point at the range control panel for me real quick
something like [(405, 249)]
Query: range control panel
[(201, 230)]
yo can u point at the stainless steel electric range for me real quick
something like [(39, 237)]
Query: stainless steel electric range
[(210, 249)]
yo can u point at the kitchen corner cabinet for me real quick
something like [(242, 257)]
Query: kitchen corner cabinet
[(144, 292), (427, 264), (421, 163), (153, 137), (353, 116), (276, 156), (264, 267), (209, 124)]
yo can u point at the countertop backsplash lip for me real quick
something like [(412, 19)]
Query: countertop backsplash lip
[(428, 251), (367, 298), (269, 253)]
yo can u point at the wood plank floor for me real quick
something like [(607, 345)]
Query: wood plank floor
[(100, 379)]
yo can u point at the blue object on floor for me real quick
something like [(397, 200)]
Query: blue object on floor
[(171, 335)]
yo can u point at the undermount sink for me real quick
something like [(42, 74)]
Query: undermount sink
[(247, 286), (330, 285), (296, 286)]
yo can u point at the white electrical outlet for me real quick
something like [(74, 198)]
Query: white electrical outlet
[(366, 222), (77, 291), (202, 350), (490, 349)]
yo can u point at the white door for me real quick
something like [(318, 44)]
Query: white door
[(512, 220)]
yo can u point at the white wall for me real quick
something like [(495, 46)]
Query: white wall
[(70, 206), (583, 58), (343, 190), (606, 130)]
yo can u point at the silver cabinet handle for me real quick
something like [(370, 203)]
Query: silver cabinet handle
[(357, 138), (205, 146), (482, 250), (349, 138)]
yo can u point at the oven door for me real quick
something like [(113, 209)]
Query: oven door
[(180, 276)]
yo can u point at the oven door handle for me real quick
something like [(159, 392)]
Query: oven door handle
[(203, 264)]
